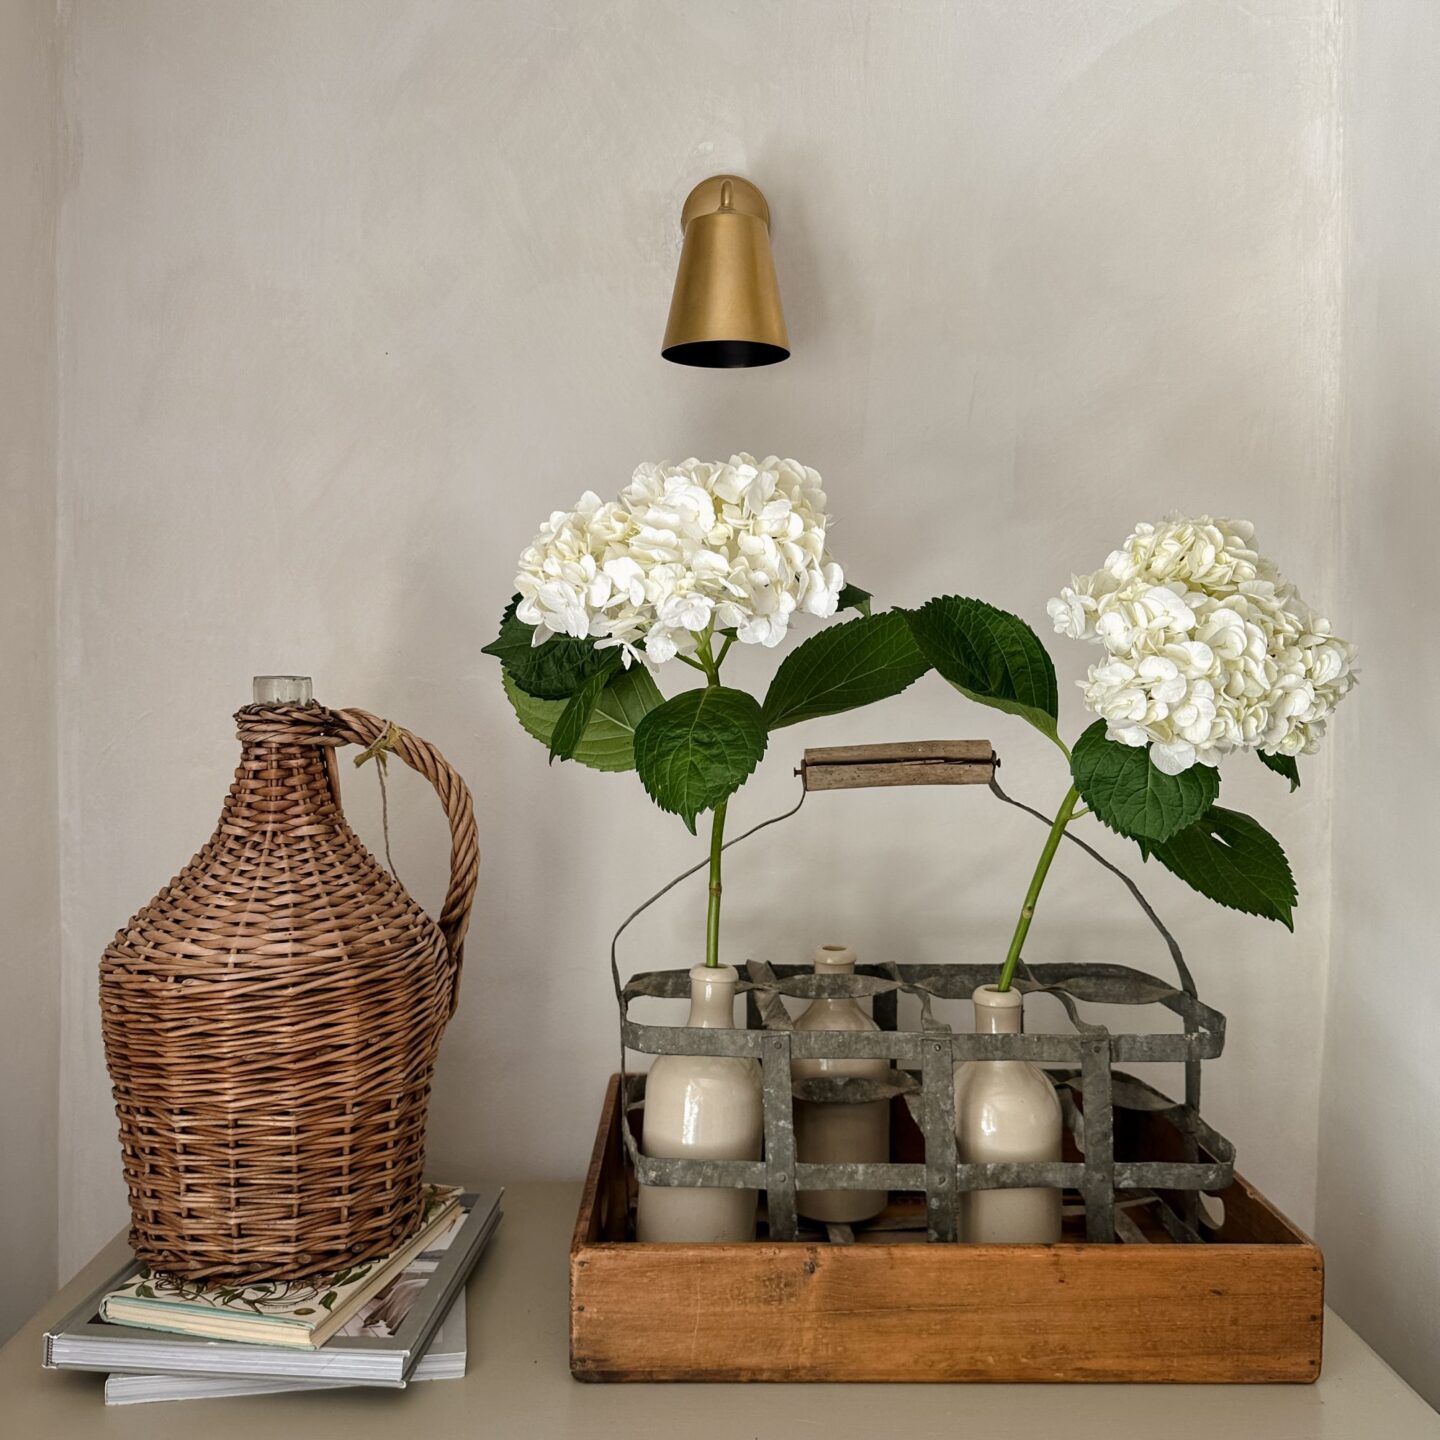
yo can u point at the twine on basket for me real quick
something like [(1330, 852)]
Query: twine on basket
[(378, 750)]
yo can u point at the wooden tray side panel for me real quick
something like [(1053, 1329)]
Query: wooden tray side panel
[(1177, 1313), (605, 1197), (1214, 1313)]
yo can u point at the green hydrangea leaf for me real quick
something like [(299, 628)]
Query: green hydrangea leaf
[(695, 751), (575, 717), (608, 742), (1234, 861), (852, 597), (990, 655), (843, 667), (1125, 790), (1283, 765), (552, 671)]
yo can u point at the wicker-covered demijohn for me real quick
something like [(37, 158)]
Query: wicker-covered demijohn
[(272, 1017)]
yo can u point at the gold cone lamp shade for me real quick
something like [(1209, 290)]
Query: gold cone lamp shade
[(725, 313)]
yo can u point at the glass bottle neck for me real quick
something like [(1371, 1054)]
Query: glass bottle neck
[(281, 690)]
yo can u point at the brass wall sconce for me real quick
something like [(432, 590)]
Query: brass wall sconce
[(725, 313)]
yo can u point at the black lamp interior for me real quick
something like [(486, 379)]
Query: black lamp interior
[(725, 354)]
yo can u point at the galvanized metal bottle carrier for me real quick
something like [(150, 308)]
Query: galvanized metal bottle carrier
[(1091, 1088)]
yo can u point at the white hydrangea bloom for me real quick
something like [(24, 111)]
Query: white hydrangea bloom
[(1208, 647), (737, 546)]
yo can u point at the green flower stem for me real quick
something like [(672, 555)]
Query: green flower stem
[(711, 667), (1063, 817), (712, 916)]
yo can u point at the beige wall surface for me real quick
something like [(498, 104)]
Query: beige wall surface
[(29, 855), (1377, 1217), (354, 294)]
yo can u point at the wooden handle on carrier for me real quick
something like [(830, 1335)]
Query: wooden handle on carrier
[(359, 727), (906, 762)]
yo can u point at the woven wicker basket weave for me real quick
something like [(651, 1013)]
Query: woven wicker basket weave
[(272, 1017)]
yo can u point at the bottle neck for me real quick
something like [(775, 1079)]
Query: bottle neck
[(834, 960), (285, 780), (281, 690), (998, 1012), (712, 997)]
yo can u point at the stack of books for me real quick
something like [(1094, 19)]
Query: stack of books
[(384, 1322)]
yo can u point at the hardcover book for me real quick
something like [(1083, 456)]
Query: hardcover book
[(444, 1360), (384, 1349)]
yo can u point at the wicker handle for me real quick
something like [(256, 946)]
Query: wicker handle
[(358, 727)]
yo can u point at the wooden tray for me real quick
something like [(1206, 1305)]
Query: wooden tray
[(1245, 1307)]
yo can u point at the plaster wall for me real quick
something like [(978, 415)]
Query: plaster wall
[(353, 295)]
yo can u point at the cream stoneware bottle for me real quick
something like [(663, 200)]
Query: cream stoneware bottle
[(1006, 1110), (702, 1107), (831, 1134)]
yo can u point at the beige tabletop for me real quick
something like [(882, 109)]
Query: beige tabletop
[(518, 1384)]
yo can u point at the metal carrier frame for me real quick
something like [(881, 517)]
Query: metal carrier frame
[(1091, 1088)]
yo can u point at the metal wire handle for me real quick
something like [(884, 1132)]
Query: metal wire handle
[(1187, 981)]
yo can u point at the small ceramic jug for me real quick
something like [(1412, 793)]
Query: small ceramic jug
[(828, 1133), (1006, 1110), (702, 1107)]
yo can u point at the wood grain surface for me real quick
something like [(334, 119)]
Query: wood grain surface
[(1237, 1310), (906, 762)]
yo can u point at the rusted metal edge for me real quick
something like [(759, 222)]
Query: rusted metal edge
[(906, 1046), (944, 1178)]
